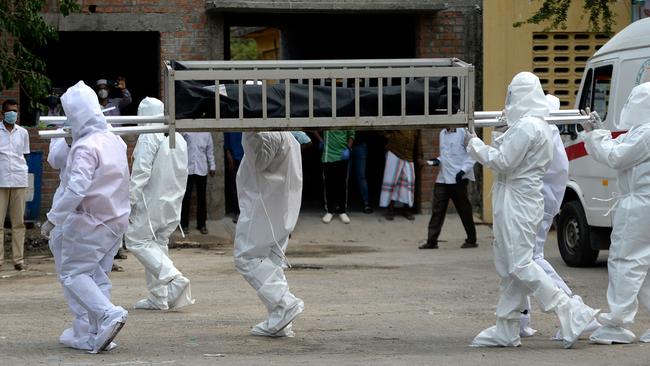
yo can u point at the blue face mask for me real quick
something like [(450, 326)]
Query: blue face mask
[(11, 117)]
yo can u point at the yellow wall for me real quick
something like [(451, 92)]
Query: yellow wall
[(508, 50), (268, 43)]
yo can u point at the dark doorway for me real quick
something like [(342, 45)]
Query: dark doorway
[(339, 36), (90, 56)]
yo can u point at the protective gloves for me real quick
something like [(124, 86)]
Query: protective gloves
[(433, 162), (345, 154), (468, 136), (593, 123), (459, 177), (46, 228), (502, 118)]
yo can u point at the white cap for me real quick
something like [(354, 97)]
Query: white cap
[(101, 82)]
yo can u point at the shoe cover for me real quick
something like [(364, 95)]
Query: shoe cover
[(558, 335), (111, 346), (288, 309), (608, 334), (261, 329), (111, 325), (527, 332), (147, 304), (504, 334), (180, 294), (593, 326), (574, 318), (69, 339), (645, 338)]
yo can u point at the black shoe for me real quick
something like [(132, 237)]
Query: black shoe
[(121, 254), (185, 229), (390, 215), (409, 216), (203, 230), (367, 209), (468, 244), (428, 245), (20, 267), (235, 218)]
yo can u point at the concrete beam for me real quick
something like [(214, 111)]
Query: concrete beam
[(334, 6), (106, 22)]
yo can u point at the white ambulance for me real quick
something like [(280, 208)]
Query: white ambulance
[(585, 221)]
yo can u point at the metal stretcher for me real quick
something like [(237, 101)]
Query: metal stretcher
[(353, 74)]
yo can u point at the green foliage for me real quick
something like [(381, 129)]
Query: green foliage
[(601, 16), (243, 49), (22, 31)]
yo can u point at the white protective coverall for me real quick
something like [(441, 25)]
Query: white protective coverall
[(269, 187), (90, 215), (555, 181), (158, 181), (524, 153), (629, 253)]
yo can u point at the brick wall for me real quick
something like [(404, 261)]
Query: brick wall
[(438, 35), (186, 33), (450, 33)]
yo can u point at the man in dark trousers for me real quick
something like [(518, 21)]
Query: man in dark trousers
[(456, 169)]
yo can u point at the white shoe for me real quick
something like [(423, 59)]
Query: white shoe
[(262, 329), (327, 218), (344, 218), (111, 325)]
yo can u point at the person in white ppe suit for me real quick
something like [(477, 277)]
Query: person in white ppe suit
[(158, 180), (90, 217), (629, 253), (520, 160), (269, 187), (555, 181), (76, 336)]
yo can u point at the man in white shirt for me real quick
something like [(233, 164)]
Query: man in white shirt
[(456, 169), (14, 145), (200, 162)]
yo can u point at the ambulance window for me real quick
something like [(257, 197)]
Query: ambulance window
[(585, 98), (602, 86), (597, 90)]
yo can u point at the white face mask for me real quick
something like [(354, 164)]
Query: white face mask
[(102, 93)]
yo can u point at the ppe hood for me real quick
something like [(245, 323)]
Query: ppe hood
[(82, 110), (525, 98), (553, 103), (151, 107), (636, 110)]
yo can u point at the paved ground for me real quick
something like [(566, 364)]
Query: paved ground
[(371, 298)]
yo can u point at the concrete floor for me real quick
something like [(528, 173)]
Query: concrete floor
[(371, 298)]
